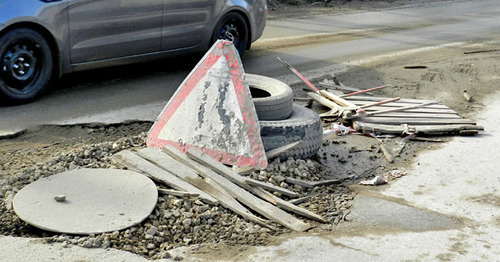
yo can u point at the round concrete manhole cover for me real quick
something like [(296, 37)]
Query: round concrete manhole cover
[(87, 201)]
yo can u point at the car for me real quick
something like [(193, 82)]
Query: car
[(41, 40)]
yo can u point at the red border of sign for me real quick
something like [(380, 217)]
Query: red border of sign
[(220, 50)]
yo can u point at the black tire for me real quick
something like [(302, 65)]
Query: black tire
[(25, 66), (272, 98), (233, 27), (304, 124)]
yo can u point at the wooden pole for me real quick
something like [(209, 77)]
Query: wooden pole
[(400, 108)]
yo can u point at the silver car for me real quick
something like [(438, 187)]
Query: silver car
[(40, 40)]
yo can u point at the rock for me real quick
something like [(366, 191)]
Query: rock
[(150, 246), (60, 198), (152, 231), (167, 214), (87, 244)]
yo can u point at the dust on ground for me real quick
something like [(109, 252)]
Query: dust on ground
[(280, 9), (441, 75)]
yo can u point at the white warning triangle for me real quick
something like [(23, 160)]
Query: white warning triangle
[(212, 110)]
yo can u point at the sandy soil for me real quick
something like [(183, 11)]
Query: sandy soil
[(279, 9), (443, 75)]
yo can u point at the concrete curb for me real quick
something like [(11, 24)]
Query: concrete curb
[(6, 134)]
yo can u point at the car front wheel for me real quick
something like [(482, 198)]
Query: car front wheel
[(233, 27), (25, 66)]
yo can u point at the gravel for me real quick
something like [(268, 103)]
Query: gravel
[(175, 221)]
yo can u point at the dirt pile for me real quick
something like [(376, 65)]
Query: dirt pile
[(175, 221)]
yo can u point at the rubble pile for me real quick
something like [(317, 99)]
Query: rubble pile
[(176, 221)]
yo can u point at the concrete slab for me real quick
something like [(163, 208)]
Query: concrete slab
[(95, 201), (371, 213)]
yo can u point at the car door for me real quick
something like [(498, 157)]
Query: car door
[(103, 29), (186, 22)]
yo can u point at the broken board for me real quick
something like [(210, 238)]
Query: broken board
[(226, 178)]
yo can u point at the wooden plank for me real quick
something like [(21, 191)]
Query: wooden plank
[(185, 173), (298, 182), (340, 87), (271, 187), (136, 163), (285, 205), (301, 200), (177, 193), (416, 110), (418, 115), (415, 121), (398, 109), (377, 103), (324, 101), (225, 199), (338, 100), (309, 184), (267, 210), (244, 170), (379, 98), (363, 91), (398, 104), (399, 129), (280, 150), (207, 173)]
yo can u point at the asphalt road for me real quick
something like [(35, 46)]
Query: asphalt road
[(139, 92)]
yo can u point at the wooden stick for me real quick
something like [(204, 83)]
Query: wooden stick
[(405, 114), (243, 170), (300, 200), (177, 193), (282, 149), (425, 110), (381, 102), (271, 187), (309, 184), (298, 210), (299, 75), (379, 98), (364, 91), (481, 51), (341, 87), (399, 104), (399, 129), (342, 102), (324, 101), (388, 155), (400, 108), (416, 121)]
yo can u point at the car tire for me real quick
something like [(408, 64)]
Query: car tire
[(304, 124), (26, 65), (272, 98), (233, 27)]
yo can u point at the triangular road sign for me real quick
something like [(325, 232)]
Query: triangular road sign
[(213, 110)]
